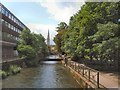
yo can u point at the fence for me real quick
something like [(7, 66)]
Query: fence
[(89, 74)]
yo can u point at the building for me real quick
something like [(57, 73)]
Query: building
[(48, 39), (48, 42), (11, 27)]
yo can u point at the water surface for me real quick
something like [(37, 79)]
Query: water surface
[(49, 74)]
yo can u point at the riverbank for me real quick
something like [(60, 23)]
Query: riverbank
[(12, 70)]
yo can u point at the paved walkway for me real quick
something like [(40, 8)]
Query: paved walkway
[(109, 80)]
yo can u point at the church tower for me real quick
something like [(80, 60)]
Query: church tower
[(48, 38), (48, 41)]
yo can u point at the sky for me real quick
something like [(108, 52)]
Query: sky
[(43, 15)]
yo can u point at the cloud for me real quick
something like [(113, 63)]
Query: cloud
[(58, 10), (43, 29), (61, 11)]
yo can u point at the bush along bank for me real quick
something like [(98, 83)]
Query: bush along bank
[(13, 69), (3, 74)]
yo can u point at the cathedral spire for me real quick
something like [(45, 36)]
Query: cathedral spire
[(48, 38)]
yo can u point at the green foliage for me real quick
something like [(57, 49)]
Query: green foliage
[(58, 38), (32, 47), (26, 51), (93, 33), (14, 69), (3, 74)]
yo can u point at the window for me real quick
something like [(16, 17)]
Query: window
[(15, 20), (18, 31), (9, 15), (3, 11), (20, 24), (3, 22), (9, 25), (6, 14), (12, 27), (6, 24), (12, 18)]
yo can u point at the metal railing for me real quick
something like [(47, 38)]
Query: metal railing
[(90, 74)]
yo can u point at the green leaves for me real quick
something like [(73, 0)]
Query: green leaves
[(32, 47), (26, 51), (93, 33), (61, 29)]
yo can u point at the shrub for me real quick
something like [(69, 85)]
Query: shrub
[(3, 74), (14, 69)]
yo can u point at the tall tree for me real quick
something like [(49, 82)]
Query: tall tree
[(32, 47), (93, 33)]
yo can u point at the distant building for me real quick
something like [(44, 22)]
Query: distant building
[(48, 39), (11, 27), (48, 42)]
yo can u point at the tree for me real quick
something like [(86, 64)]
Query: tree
[(92, 34), (58, 38), (32, 47)]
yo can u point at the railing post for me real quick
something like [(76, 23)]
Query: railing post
[(75, 66), (70, 63), (83, 71), (97, 79), (78, 67), (89, 74), (86, 85)]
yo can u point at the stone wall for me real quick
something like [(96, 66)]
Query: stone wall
[(18, 61)]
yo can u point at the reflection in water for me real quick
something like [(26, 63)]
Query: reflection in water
[(49, 62), (53, 57), (50, 74)]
